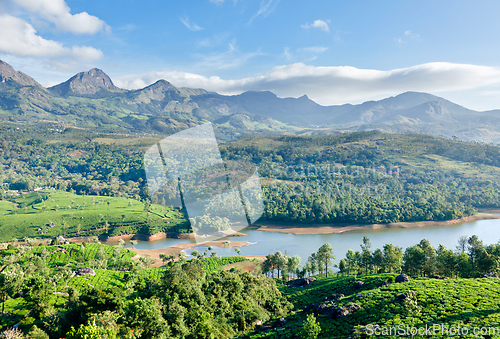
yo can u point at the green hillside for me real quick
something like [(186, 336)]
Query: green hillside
[(50, 213), (466, 303), (356, 178), (39, 282)]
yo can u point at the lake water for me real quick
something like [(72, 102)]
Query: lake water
[(304, 245)]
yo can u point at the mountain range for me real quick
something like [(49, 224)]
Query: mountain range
[(90, 100)]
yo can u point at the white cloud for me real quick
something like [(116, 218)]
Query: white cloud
[(412, 35), (400, 42), (408, 35), (230, 59), (336, 84), (266, 7), (214, 40), (217, 2), (190, 25), (286, 53), (58, 12), (313, 49), (19, 38), (321, 24)]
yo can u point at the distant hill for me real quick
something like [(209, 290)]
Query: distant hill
[(91, 100)]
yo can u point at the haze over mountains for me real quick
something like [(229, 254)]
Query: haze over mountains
[(91, 100)]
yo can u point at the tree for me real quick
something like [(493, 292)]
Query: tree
[(121, 243), (446, 261), (366, 243), (146, 261), (352, 263), (429, 266), (293, 264), (267, 265), (30, 241), (37, 333), (38, 294), (325, 256), (89, 331), (393, 256), (12, 333), (312, 263), (146, 205), (237, 250), (414, 259), (133, 242), (366, 259), (10, 281), (280, 261), (462, 244), (145, 317), (342, 266), (475, 247), (167, 258), (311, 327), (378, 259)]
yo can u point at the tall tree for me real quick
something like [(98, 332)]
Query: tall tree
[(414, 260), (429, 266), (325, 256), (393, 256)]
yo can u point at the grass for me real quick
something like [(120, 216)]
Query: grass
[(78, 215)]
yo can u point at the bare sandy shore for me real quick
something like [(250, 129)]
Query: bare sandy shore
[(336, 228), (155, 253)]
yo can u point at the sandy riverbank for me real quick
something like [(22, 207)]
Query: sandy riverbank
[(163, 235), (155, 253), (336, 228)]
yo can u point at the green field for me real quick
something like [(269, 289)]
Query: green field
[(79, 215)]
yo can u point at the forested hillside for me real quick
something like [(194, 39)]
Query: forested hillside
[(366, 177)]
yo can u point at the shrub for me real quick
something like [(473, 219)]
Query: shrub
[(312, 327), (37, 333)]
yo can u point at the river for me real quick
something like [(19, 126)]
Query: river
[(304, 244)]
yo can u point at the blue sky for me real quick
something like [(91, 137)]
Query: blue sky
[(333, 51)]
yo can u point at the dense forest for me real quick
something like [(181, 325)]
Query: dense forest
[(366, 177)]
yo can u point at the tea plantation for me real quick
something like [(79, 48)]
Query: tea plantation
[(448, 304), (51, 213)]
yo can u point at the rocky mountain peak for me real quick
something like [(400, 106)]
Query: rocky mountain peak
[(11, 76), (85, 84)]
